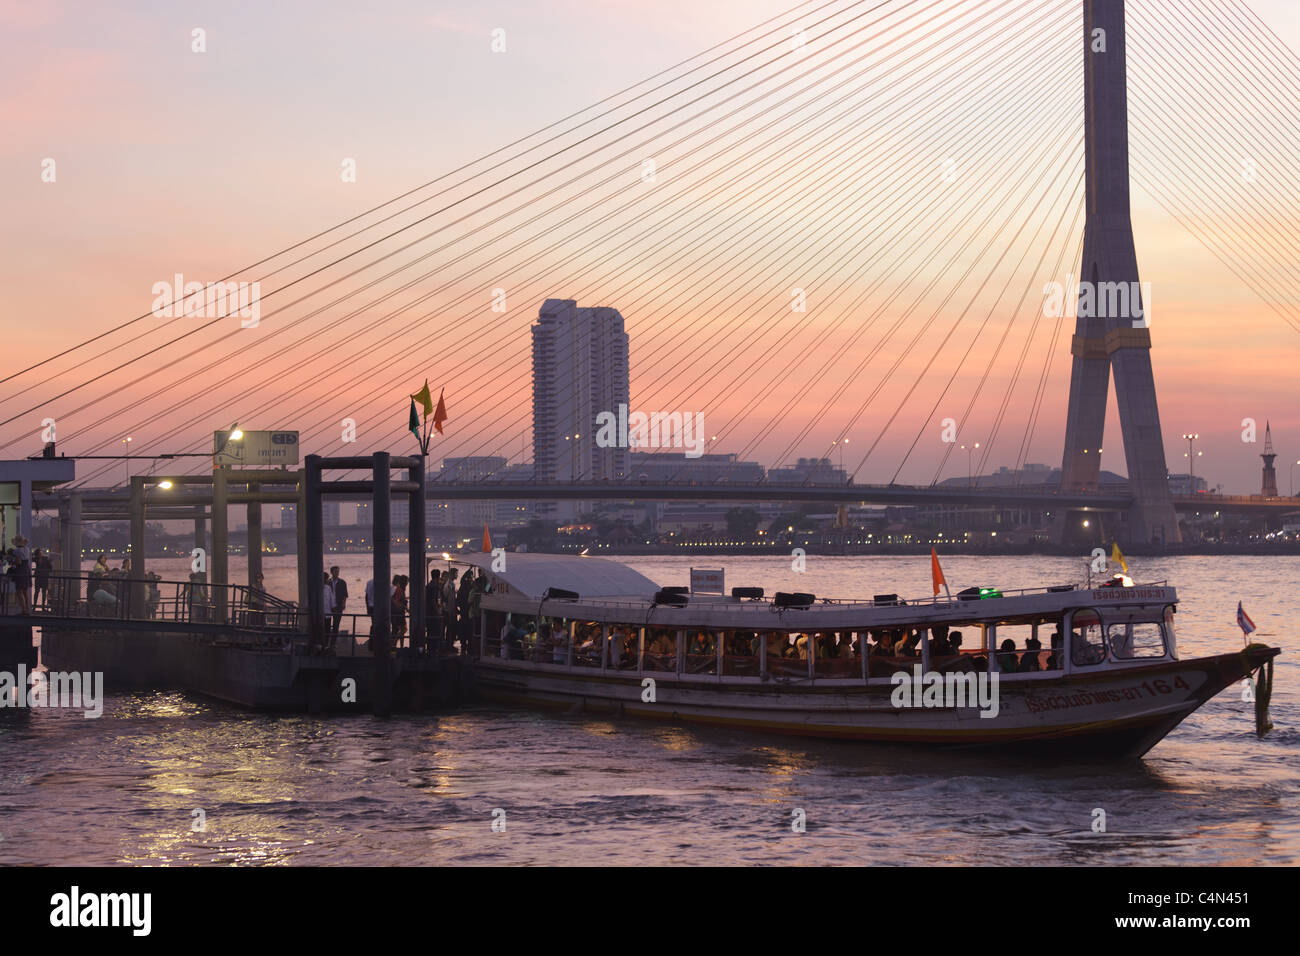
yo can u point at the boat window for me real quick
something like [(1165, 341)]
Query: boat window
[(1170, 610), (587, 636), (1086, 642), (660, 650), (623, 645), (1135, 640), (891, 649), (957, 647), (511, 636), (1022, 651), (701, 651), (837, 654), (787, 654), (493, 634), (740, 653)]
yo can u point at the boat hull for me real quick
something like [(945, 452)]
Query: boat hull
[(1118, 712)]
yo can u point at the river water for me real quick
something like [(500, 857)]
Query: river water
[(125, 788)]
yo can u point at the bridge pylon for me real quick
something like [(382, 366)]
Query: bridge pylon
[(1112, 329)]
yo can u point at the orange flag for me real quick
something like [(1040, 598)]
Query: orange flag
[(936, 573), (487, 541), (440, 415)]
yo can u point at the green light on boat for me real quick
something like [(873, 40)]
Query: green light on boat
[(989, 593)]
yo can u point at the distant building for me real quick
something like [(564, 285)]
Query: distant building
[(580, 369), (1188, 485), (808, 471), (662, 467)]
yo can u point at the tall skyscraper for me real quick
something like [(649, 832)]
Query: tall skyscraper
[(580, 369)]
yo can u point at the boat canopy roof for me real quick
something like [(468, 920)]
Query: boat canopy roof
[(530, 575)]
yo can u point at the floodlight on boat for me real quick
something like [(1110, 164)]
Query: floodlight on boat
[(560, 594), (797, 599), (754, 593), (989, 593)]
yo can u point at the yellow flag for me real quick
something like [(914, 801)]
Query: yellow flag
[(1117, 556), (425, 399)]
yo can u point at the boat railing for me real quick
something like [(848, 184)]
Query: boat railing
[(765, 604)]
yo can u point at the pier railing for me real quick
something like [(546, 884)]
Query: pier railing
[(118, 596)]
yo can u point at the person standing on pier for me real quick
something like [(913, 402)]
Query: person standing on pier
[(23, 572), (399, 609), (462, 610), (449, 604), (327, 606), (433, 609), (340, 598), (43, 567)]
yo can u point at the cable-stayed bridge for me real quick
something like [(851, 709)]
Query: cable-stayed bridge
[(838, 222)]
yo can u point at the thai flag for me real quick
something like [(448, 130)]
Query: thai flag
[(1243, 620)]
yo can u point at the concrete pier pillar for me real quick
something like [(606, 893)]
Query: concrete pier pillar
[(312, 559), (381, 545), (136, 581), (300, 532), (254, 537), (418, 569), (219, 559)]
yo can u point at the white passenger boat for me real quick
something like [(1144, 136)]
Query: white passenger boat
[(1072, 669)]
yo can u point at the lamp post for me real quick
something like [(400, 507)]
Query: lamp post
[(126, 460), (841, 442), (1293, 478), (573, 455), (970, 467), (1191, 462)]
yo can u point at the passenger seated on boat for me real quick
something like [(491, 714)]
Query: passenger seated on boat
[(1054, 659), (908, 643), (560, 647), (1008, 660), (701, 645), (616, 644), (1029, 659), (588, 647), (940, 645)]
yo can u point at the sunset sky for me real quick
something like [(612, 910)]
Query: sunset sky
[(171, 161)]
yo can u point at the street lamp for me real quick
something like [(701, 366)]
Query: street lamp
[(970, 468), (235, 434), (573, 456), (126, 459), (1191, 462), (1293, 479)]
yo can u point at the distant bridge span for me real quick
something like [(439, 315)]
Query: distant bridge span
[(842, 494)]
